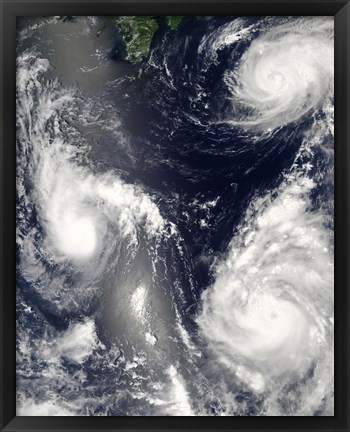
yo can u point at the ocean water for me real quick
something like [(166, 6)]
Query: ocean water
[(175, 227)]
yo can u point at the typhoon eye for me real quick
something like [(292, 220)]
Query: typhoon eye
[(175, 216), (282, 76)]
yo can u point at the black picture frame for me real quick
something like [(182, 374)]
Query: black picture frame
[(9, 10)]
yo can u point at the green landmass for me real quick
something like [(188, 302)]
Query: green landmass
[(173, 21), (101, 30), (137, 33)]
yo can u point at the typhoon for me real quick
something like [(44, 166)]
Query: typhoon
[(175, 216)]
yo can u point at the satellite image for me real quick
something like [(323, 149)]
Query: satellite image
[(175, 230)]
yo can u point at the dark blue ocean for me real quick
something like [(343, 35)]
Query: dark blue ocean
[(175, 218)]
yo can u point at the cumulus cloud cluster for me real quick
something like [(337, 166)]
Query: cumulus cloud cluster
[(285, 72), (81, 211)]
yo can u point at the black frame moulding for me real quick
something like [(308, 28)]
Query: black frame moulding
[(9, 10)]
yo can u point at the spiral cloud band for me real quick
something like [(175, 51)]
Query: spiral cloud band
[(265, 307), (283, 74), (175, 228), (79, 211), (268, 316)]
